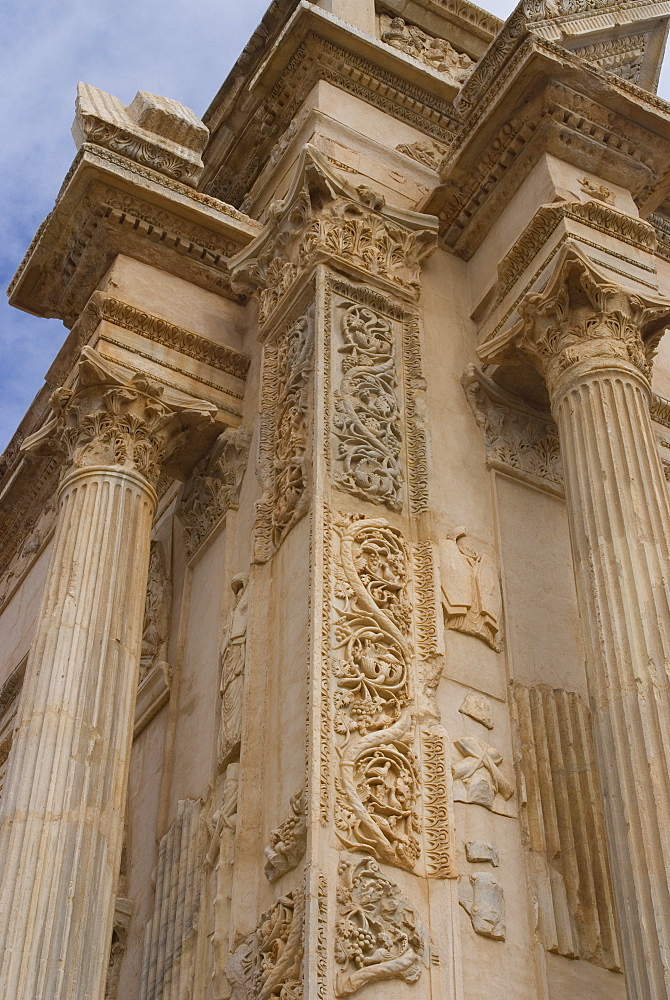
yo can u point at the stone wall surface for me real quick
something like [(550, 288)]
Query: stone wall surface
[(334, 612)]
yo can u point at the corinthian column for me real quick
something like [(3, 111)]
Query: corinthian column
[(61, 813), (593, 341)]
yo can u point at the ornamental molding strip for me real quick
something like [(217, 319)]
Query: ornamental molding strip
[(284, 456), (318, 58), (323, 219)]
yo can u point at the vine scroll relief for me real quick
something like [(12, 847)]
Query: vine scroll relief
[(383, 801)]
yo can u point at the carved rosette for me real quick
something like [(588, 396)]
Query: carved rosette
[(582, 320), (111, 419)]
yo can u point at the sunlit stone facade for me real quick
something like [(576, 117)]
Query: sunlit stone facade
[(335, 552)]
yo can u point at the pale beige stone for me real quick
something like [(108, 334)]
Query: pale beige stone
[(397, 607)]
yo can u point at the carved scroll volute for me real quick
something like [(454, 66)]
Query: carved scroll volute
[(581, 320), (108, 418), (324, 219)]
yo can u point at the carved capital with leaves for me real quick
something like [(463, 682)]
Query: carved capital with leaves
[(582, 319), (107, 417)]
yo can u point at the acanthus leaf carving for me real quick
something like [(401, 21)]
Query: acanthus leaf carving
[(581, 315), (214, 486), (323, 218), (367, 413), (110, 418), (379, 933), (519, 439)]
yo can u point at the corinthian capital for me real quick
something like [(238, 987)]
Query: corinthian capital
[(108, 418), (581, 316)]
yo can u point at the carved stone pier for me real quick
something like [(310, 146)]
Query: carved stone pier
[(592, 341), (61, 826)]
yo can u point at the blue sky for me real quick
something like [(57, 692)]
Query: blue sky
[(180, 48)]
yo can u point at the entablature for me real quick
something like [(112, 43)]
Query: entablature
[(110, 205)]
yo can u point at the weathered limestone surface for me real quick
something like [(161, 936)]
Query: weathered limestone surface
[(333, 554)]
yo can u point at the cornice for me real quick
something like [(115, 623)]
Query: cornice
[(110, 205), (316, 48)]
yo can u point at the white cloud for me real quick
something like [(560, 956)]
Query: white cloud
[(180, 48)]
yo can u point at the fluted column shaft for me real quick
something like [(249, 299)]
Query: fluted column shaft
[(63, 801), (620, 528), (62, 809)]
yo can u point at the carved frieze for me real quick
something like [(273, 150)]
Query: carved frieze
[(321, 59), (380, 936), (470, 586), (520, 439), (285, 434), (435, 52), (367, 420), (233, 662), (424, 151), (214, 486), (323, 218), (564, 826), (268, 964), (288, 841)]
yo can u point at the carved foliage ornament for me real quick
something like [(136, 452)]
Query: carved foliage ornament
[(214, 487), (379, 934), (288, 841), (323, 218), (367, 413), (378, 779), (518, 438), (580, 315), (109, 418), (284, 453), (268, 964), (157, 612), (434, 52)]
